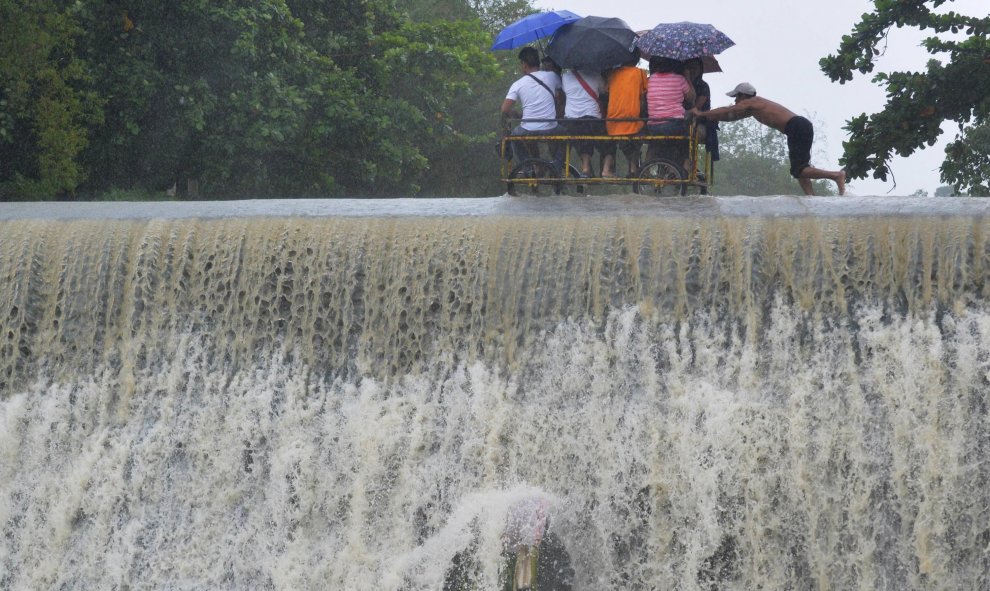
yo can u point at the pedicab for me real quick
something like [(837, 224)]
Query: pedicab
[(598, 44), (660, 176)]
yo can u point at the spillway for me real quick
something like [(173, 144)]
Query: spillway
[(728, 393)]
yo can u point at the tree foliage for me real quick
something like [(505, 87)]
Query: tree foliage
[(245, 99), (967, 163), (955, 87), (467, 163), (946, 191), (495, 15), (45, 103)]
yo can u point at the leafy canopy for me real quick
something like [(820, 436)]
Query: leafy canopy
[(45, 108), (244, 99), (955, 87)]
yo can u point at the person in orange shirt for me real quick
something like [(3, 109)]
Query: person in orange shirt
[(626, 91)]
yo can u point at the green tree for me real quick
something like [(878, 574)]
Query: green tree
[(967, 163), (495, 15), (954, 88), (946, 191), (243, 99), (464, 161), (754, 161), (231, 95), (45, 109), (278, 98)]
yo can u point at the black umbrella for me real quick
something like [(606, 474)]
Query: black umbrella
[(593, 43)]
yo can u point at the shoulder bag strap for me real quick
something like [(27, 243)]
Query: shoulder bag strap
[(586, 87), (553, 95)]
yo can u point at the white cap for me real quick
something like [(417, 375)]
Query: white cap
[(743, 88)]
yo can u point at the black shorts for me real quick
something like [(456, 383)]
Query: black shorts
[(584, 126), (800, 134)]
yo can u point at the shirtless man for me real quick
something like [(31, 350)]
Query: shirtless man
[(798, 130)]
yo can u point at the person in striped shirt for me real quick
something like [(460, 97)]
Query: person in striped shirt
[(667, 91)]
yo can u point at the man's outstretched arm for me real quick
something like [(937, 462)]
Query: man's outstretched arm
[(730, 113)]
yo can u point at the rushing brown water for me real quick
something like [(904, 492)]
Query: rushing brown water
[(715, 395)]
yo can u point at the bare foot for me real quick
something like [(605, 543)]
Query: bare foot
[(840, 179)]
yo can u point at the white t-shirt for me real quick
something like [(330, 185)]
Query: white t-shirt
[(536, 102), (579, 102)]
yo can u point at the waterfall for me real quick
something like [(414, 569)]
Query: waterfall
[(719, 393)]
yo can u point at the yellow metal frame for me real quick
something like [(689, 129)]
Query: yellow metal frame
[(694, 179)]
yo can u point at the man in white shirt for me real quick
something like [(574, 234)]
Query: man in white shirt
[(539, 93), (582, 111)]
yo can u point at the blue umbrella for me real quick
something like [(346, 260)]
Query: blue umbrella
[(533, 27), (683, 41)]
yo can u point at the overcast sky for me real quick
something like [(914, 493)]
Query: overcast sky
[(778, 46)]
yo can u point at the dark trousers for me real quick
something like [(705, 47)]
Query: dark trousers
[(585, 126), (529, 149), (674, 150)]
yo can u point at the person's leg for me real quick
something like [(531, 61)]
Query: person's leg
[(520, 150), (531, 149), (698, 140), (700, 132), (711, 147), (635, 157), (678, 149), (586, 163), (800, 136), (608, 166), (586, 148), (683, 150), (597, 127), (607, 150), (674, 150), (810, 173), (630, 149), (653, 147), (569, 127), (556, 148)]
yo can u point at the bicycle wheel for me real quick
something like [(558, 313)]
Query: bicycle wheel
[(534, 173), (659, 177)]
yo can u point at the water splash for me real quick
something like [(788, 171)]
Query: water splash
[(300, 404)]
